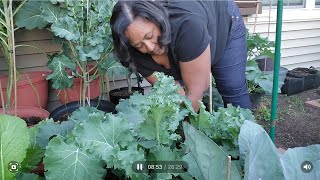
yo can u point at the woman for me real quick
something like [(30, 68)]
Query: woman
[(187, 40)]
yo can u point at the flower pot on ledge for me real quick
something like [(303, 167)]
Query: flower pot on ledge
[(32, 89)]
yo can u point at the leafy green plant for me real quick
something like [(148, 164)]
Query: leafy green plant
[(14, 141), (256, 145), (83, 31), (264, 113), (258, 46), (9, 10), (205, 158), (223, 125)]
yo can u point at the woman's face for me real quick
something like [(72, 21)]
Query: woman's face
[(143, 35)]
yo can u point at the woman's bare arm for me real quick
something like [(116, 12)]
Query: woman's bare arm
[(195, 75)]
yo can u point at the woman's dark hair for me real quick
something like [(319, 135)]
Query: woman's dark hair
[(124, 13)]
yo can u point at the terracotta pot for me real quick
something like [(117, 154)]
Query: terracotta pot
[(74, 94), (30, 87), (27, 111)]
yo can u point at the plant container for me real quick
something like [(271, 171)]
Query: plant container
[(310, 76), (292, 85), (265, 63), (32, 89), (122, 93), (32, 115), (68, 108), (74, 94)]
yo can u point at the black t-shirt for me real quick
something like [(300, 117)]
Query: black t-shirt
[(194, 24)]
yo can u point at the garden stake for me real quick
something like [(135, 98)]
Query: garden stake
[(2, 100), (229, 163), (277, 57), (13, 54), (210, 93)]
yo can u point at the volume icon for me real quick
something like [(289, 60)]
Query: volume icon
[(139, 167), (306, 166)]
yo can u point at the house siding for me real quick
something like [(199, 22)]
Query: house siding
[(300, 45)]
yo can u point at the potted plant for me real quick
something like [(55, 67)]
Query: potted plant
[(82, 29), (31, 88), (259, 68)]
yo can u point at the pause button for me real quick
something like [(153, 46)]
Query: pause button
[(139, 167)]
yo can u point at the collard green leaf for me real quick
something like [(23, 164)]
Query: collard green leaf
[(293, 158), (83, 114), (68, 161), (52, 13), (59, 76), (256, 145), (29, 16), (155, 126), (67, 28), (14, 141), (90, 52), (210, 159), (49, 128), (26, 176), (114, 68), (33, 157), (126, 158), (104, 135)]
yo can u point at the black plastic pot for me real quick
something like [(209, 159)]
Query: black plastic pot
[(102, 105), (265, 63), (116, 95), (300, 79), (292, 85), (309, 75)]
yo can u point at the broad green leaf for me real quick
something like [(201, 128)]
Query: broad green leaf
[(155, 127), (162, 153), (105, 135), (14, 141), (114, 68), (293, 158), (26, 176), (127, 158), (67, 28), (132, 114), (59, 76), (257, 165), (52, 13), (50, 128), (210, 159), (82, 114), (68, 161), (90, 52), (33, 157), (194, 168), (256, 145), (29, 16)]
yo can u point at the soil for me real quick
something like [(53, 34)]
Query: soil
[(31, 121), (297, 124), (121, 93)]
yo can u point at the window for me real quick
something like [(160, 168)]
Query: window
[(286, 3), (318, 3)]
